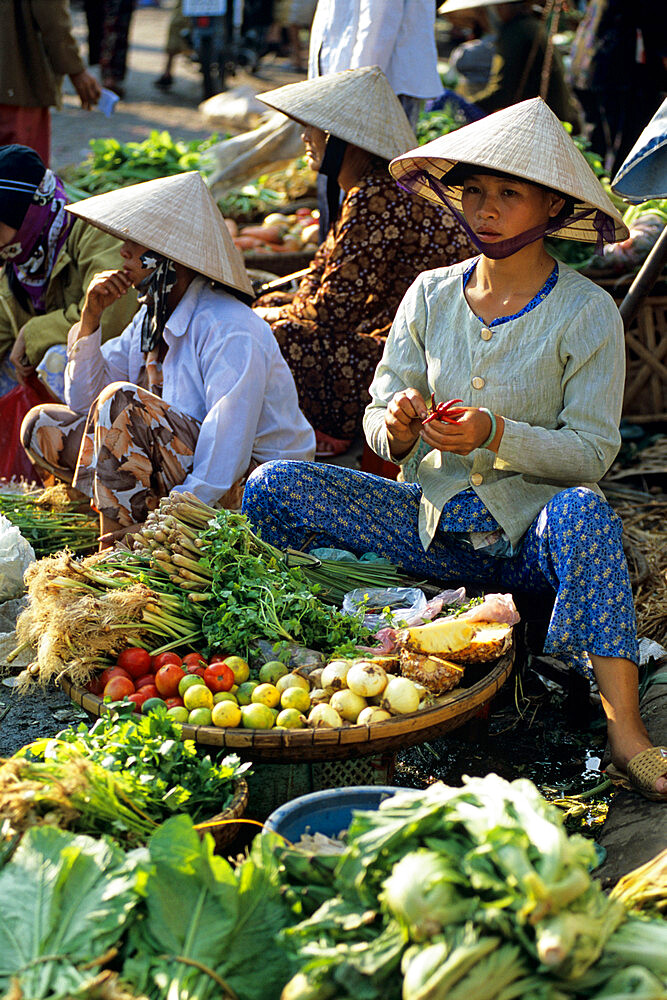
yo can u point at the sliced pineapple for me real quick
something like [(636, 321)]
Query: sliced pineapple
[(441, 637), (436, 674), (491, 640)]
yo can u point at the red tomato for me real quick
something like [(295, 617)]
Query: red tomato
[(173, 702), (217, 658), (195, 658), (135, 660), (95, 686), (219, 677), (139, 697), (198, 667), (162, 658), (110, 672), (168, 678), (152, 691), (118, 688), (142, 681)]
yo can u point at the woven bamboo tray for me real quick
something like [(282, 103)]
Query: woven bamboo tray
[(299, 745)]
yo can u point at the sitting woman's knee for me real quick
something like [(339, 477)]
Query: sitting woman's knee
[(28, 425), (586, 507), (110, 391)]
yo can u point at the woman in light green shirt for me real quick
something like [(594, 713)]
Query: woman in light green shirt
[(506, 496)]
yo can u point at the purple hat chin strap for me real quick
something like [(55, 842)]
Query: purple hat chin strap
[(602, 223)]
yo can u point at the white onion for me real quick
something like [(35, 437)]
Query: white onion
[(347, 704), (334, 674), (401, 696), (324, 717), (366, 678), (372, 714), (290, 681), (320, 696)]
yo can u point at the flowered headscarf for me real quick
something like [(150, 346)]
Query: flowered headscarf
[(154, 294), (40, 237)]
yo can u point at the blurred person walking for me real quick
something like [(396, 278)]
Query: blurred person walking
[(37, 49), (108, 39)]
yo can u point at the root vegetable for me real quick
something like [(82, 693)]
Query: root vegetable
[(311, 233), (366, 678), (400, 696), (348, 704), (334, 674), (372, 714), (324, 717)]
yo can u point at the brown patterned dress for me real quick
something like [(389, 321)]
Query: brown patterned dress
[(332, 332)]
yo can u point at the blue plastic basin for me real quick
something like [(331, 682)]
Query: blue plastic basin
[(327, 812)]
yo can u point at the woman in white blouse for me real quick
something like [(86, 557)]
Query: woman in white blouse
[(506, 496), (195, 393)]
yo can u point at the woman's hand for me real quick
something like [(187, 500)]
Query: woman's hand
[(19, 358), (403, 421), (271, 314), (105, 288), (468, 433)]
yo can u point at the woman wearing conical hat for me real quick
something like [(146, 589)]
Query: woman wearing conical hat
[(531, 355), (332, 331), (194, 393)]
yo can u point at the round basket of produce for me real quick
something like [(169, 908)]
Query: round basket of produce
[(292, 671), (324, 742)]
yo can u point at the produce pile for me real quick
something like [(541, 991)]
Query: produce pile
[(122, 778), (50, 520), (269, 192), (473, 892), (278, 233), (112, 164), (461, 893), (197, 577)]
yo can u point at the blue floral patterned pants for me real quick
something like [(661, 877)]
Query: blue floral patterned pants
[(572, 549)]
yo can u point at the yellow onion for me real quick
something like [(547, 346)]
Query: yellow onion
[(367, 716), (334, 674), (366, 678), (323, 716), (400, 697), (347, 704)]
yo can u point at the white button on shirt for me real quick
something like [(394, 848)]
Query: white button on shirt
[(486, 334), (478, 382), (477, 479)]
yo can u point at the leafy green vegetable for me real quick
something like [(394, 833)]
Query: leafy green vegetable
[(65, 901), (208, 927), (112, 164), (432, 124), (163, 774)]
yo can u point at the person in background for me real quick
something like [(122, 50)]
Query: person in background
[(516, 69), (37, 48), (195, 393), (507, 497), (332, 331), (619, 72), (177, 44), (399, 37), (292, 16), (108, 38), (49, 259)]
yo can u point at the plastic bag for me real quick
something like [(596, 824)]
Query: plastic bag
[(403, 603), (14, 463), (16, 554)]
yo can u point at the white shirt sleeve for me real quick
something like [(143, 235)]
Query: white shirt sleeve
[(92, 365)]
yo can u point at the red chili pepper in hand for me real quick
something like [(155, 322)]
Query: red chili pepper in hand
[(448, 412)]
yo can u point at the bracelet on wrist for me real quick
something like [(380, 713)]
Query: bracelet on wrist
[(494, 427)]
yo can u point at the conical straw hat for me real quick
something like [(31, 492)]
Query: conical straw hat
[(643, 174), (177, 217), (357, 105), (526, 141)]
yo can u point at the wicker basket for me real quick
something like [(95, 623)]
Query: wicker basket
[(222, 827), (449, 712)]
